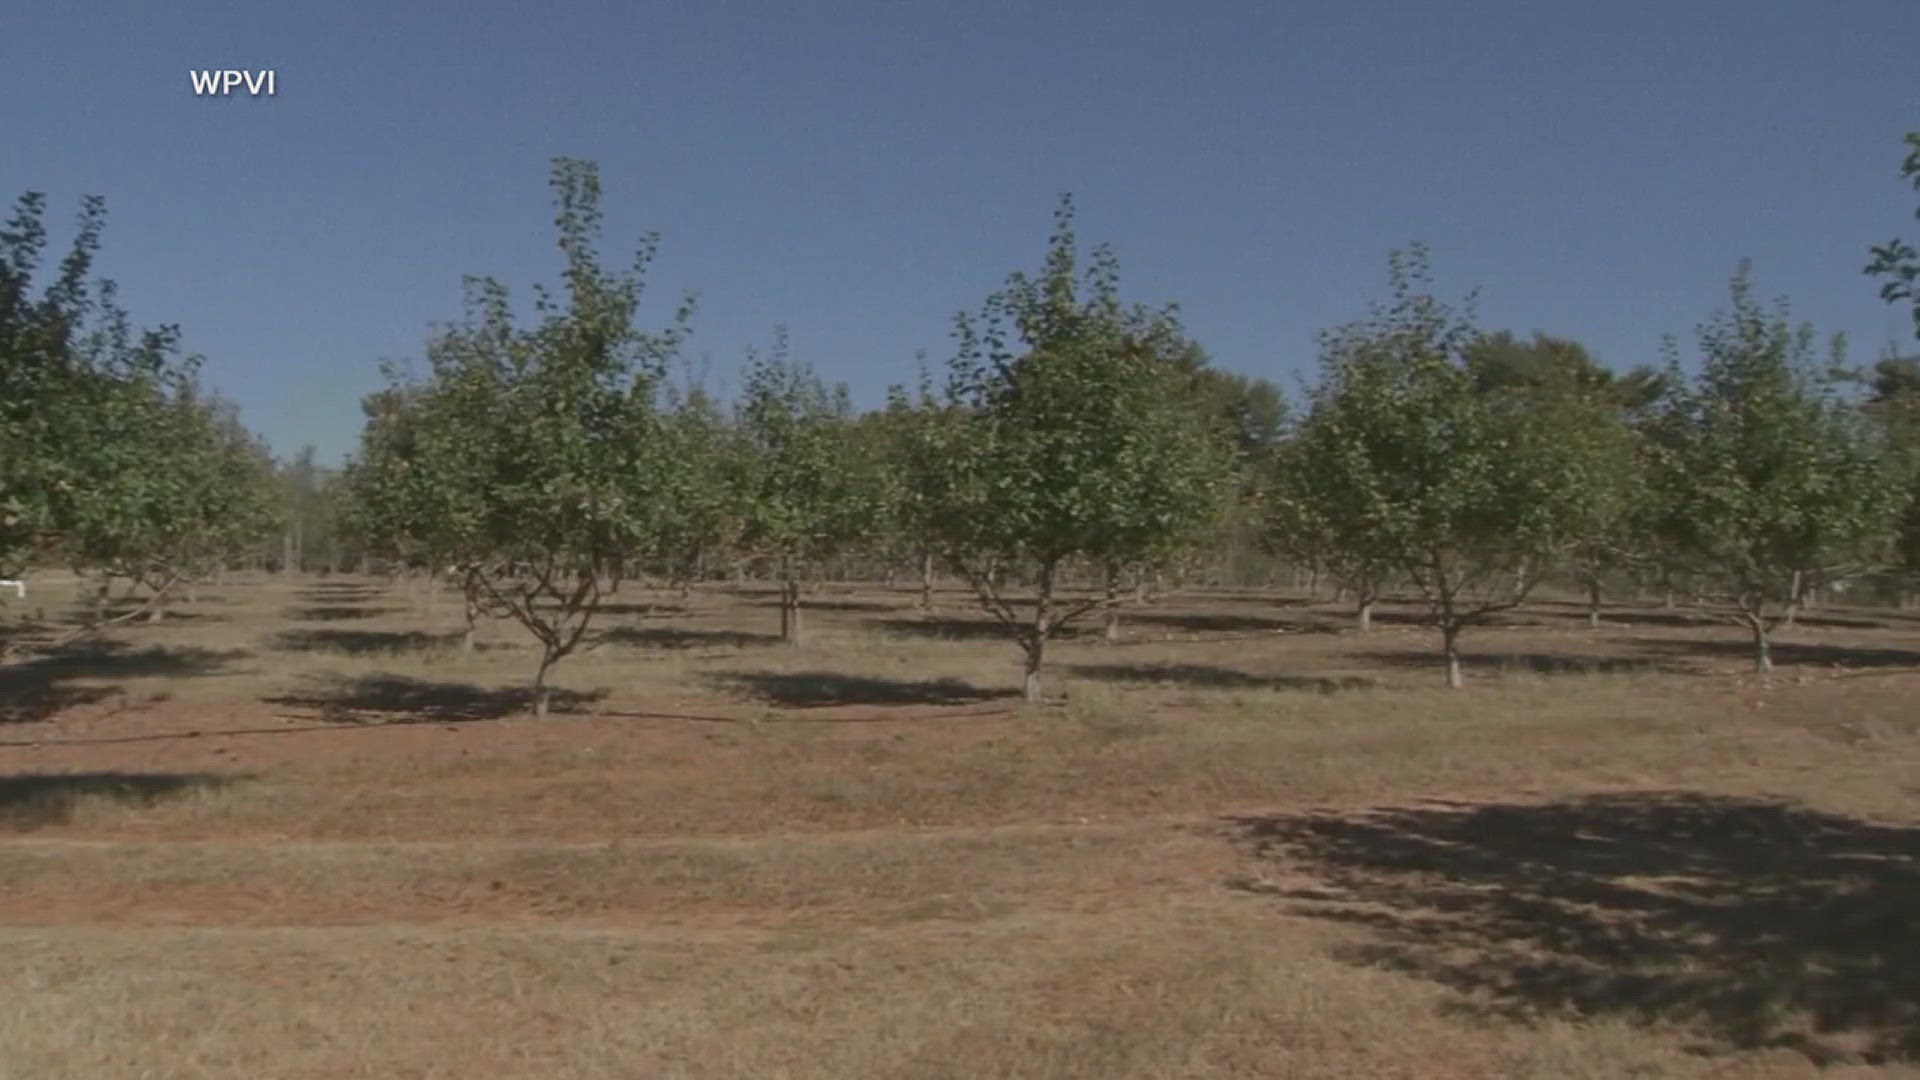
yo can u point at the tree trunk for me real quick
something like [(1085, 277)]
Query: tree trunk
[(926, 583), (1762, 647), (1363, 614), (158, 611), (1450, 644), (1593, 603), (541, 691), (1036, 642), (1112, 631), (789, 608), (466, 637)]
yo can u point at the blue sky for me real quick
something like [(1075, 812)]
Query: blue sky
[(858, 171)]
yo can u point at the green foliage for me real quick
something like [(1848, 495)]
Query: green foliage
[(811, 491), (111, 459), (1767, 481), (1408, 462), (1897, 260), (533, 459), (1074, 438)]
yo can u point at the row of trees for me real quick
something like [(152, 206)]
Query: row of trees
[(1076, 443), (1079, 440), (113, 460)]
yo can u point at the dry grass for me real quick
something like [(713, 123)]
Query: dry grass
[(297, 832)]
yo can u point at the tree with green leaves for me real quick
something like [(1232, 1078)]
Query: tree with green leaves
[(111, 458), (1073, 441), (1463, 492), (1598, 413), (545, 442), (1898, 261), (1768, 482), (811, 491)]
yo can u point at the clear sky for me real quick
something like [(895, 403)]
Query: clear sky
[(859, 171)]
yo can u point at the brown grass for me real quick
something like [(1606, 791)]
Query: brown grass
[(296, 832)]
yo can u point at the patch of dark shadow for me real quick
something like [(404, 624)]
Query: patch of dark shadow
[(834, 605), (38, 688), (26, 703), (679, 637), (384, 698), (361, 642), (340, 594), (108, 659), (1206, 622), (1638, 617), (641, 608), (1756, 923), (1790, 652), (808, 689), (1534, 663), (1218, 678), (337, 612), (31, 801), (967, 629)]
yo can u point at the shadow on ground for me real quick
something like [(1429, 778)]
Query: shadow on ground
[(336, 612), (1788, 652), (1532, 662), (41, 800), (360, 642), (676, 637), (834, 605), (39, 688), (804, 689), (1214, 677), (639, 607), (1206, 622), (1756, 923), (954, 628), (383, 698)]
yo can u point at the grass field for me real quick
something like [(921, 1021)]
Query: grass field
[(294, 831)]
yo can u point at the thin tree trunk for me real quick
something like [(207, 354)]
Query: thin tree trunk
[(1112, 630), (1593, 603), (159, 609), (1036, 643), (1363, 614), (1450, 644), (1762, 647), (789, 605), (1030, 685), (541, 692), (1795, 589), (926, 582)]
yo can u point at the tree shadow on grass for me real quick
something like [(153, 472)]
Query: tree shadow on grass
[(953, 628), (1756, 923), (676, 637), (809, 689), (31, 801), (639, 607), (1639, 617), (384, 698), (1531, 662), (1789, 652), (336, 612), (1215, 677), (38, 688), (1205, 622), (361, 642), (834, 605)]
